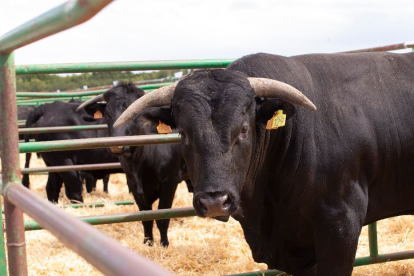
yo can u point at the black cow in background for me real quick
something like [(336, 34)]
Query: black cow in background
[(153, 172), (303, 191), (22, 113), (64, 114)]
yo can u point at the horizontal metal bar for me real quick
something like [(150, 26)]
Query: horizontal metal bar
[(65, 16), (56, 129), (261, 273), (126, 217), (392, 47), (107, 255), (40, 100), (82, 94), (98, 204), (88, 167), (382, 258), (103, 142), (121, 66)]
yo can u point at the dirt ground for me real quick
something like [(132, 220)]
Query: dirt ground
[(197, 246)]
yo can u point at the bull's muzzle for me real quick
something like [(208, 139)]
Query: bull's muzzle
[(117, 149), (219, 206)]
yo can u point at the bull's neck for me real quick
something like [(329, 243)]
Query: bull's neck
[(269, 152)]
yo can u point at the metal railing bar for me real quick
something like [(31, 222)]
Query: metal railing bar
[(88, 167), (56, 129), (65, 16), (126, 217), (94, 246), (121, 66), (102, 142)]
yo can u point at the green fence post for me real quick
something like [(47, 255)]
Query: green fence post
[(16, 246), (373, 241), (3, 266)]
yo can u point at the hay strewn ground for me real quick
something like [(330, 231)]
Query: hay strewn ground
[(197, 246)]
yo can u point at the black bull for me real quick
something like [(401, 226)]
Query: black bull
[(301, 192), (153, 172), (64, 114)]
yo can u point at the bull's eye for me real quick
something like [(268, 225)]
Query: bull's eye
[(243, 133), (183, 136)]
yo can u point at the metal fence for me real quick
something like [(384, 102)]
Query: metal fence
[(79, 236)]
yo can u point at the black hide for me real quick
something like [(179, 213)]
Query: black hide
[(153, 172), (64, 114), (302, 192)]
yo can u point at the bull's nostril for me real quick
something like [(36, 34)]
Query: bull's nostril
[(203, 204), (227, 203)]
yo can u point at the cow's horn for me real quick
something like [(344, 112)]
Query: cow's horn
[(95, 99), (269, 88), (160, 97)]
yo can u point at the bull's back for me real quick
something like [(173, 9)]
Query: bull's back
[(363, 131)]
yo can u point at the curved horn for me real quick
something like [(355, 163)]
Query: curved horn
[(160, 97), (269, 88), (95, 99)]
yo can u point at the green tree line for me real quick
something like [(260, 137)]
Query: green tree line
[(52, 83)]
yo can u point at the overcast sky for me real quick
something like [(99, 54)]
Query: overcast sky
[(129, 30)]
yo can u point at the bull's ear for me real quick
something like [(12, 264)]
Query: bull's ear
[(267, 107), (156, 114), (93, 108)]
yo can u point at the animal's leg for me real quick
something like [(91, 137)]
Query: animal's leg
[(90, 182), (148, 225), (336, 230), (53, 186), (143, 206), (166, 199), (105, 181)]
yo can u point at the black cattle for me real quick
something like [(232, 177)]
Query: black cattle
[(153, 172), (301, 192), (22, 113), (90, 182), (64, 114)]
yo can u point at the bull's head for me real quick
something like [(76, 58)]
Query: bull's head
[(217, 112), (117, 101)]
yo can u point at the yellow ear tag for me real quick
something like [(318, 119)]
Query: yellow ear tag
[(163, 128), (97, 115), (278, 120)]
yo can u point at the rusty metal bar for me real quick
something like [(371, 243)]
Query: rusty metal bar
[(127, 217), (16, 246), (392, 47), (56, 129), (89, 167), (65, 16), (103, 142), (105, 254)]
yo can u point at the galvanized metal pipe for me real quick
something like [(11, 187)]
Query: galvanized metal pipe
[(56, 129), (63, 17), (105, 254), (127, 217), (16, 246), (88, 167), (103, 142), (392, 47), (121, 66)]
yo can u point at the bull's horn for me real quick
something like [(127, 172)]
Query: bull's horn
[(95, 99), (269, 88), (160, 97)]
